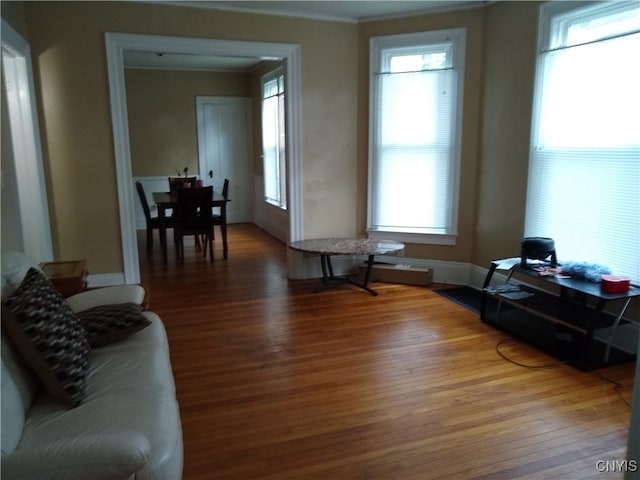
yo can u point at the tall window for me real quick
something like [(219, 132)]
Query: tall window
[(273, 139), (416, 100), (584, 171)]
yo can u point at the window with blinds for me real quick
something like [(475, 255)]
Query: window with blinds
[(416, 98), (273, 138), (584, 170)]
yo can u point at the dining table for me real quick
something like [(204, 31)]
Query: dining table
[(169, 200)]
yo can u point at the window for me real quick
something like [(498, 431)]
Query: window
[(273, 139), (584, 170), (416, 104)]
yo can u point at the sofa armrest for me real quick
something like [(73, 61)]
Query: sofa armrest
[(107, 296), (113, 455)]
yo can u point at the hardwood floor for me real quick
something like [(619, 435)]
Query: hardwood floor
[(276, 382)]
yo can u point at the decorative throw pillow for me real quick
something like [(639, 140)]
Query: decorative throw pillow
[(107, 324), (48, 336)]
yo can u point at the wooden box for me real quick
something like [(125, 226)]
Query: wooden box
[(69, 277), (405, 274)]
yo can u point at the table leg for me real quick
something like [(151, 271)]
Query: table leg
[(324, 259), (163, 231), (614, 327), (330, 280), (367, 274), (223, 229)]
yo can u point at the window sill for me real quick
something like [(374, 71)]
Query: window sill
[(420, 238)]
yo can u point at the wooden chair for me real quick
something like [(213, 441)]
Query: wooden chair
[(218, 219), (178, 182), (194, 217), (152, 222)]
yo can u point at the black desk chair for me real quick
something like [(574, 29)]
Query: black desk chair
[(152, 222), (194, 217)]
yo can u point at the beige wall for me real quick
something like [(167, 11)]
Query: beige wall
[(67, 41), (161, 109), (509, 65)]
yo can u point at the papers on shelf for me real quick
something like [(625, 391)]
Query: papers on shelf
[(507, 263), (516, 295), (510, 291)]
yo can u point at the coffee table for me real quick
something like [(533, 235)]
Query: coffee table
[(326, 247)]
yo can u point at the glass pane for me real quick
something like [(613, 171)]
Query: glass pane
[(591, 95), (412, 186), (415, 108), (418, 62), (270, 88), (596, 28), (585, 162)]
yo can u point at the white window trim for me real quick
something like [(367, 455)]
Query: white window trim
[(117, 43), (24, 129), (272, 75), (458, 37)]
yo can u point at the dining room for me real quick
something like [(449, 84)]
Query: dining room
[(198, 117)]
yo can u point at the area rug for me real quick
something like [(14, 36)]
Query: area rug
[(466, 296)]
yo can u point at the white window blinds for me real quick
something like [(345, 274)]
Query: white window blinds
[(415, 142), (584, 173), (273, 138)]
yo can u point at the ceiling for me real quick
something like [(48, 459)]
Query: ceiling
[(352, 11), (182, 61)]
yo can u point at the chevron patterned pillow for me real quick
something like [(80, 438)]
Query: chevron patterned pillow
[(48, 336), (107, 324)]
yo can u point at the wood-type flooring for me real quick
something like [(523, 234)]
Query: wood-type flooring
[(276, 383)]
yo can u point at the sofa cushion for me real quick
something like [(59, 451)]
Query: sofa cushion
[(107, 324), (48, 336), (13, 412), (107, 296), (130, 396)]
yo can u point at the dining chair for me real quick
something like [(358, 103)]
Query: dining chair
[(217, 217), (221, 220), (194, 217), (178, 182), (151, 221)]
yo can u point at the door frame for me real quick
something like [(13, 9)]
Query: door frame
[(26, 145), (116, 44)]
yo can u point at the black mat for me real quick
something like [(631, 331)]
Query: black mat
[(466, 296)]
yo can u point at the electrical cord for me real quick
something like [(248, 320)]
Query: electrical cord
[(617, 386), (548, 365)]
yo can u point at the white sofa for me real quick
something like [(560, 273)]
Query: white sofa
[(126, 427)]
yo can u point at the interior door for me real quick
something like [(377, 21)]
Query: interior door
[(224, 151)]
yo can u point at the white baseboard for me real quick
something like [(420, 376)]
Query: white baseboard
[(305, 266)]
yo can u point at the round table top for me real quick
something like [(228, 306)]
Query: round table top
[(347, 246)]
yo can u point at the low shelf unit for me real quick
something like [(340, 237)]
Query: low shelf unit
[(569, 318)]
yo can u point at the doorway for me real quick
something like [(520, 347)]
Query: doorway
[(116, 44), (224, 150), (24, 196)]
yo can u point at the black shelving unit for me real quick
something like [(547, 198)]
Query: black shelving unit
[(564, 317)]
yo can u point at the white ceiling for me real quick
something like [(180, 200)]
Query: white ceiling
[(352, 11), (179, 61)]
